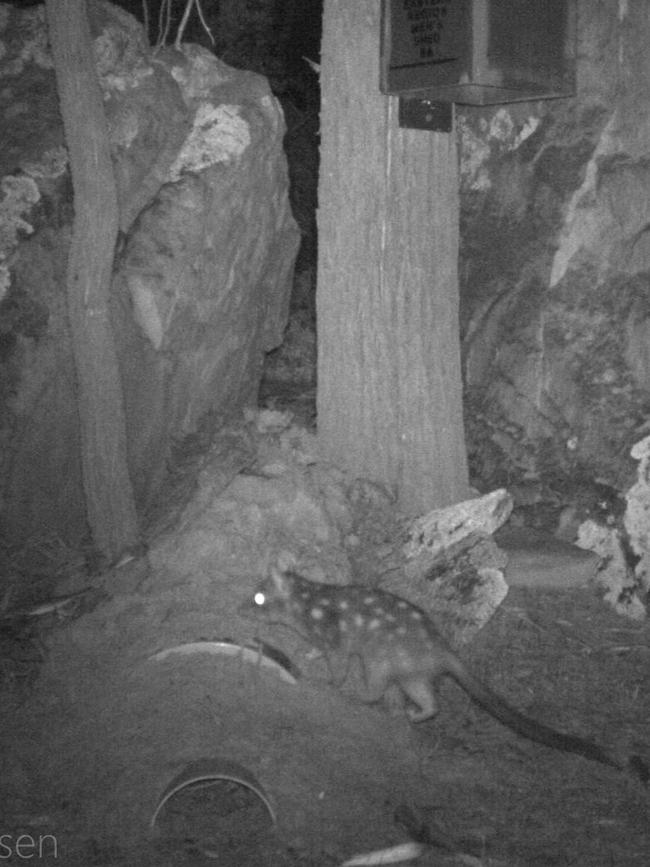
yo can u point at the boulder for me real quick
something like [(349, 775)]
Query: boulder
[(203, 268)]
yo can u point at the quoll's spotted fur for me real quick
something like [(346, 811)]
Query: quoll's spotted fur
[(396, 643)]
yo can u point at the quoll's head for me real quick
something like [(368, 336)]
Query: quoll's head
[(273, 595)]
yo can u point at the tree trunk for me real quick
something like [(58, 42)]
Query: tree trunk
[(109, 497), (389, 380)]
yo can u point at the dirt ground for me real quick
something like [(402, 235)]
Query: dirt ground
[(93, 729)]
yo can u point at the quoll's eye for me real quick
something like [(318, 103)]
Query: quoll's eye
[(259, 599)]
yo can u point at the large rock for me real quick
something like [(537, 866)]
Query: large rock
[(202, 272), (555, 269)]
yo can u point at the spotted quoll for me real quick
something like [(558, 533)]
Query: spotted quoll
[(397, 644)]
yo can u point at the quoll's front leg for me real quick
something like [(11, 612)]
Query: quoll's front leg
[(420, 691), (375, 680), (339, 667)]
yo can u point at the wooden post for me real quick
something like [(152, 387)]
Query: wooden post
[(389, 377)]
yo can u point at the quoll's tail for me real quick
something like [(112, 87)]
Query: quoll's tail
[(538, 732)]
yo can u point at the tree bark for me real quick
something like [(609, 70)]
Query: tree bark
[(389, 378), (109, 496)]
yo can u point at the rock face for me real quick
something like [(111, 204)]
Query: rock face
[(555, 270), (202, 272)]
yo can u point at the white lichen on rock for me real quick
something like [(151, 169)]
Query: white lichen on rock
[(624, 572), (442, 528), (637, 514), (17, 195), (144, 293), (614, 575), (499, 133), (33, 41), (52, 164), (5, 279), (200, 73), (219, 134)]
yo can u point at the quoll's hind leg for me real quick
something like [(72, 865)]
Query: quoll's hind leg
[(420, 691), (393, 700)]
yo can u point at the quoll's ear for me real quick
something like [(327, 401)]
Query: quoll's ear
[(280, 583), (287, 562)]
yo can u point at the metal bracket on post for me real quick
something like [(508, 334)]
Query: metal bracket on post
[(417, 112)]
